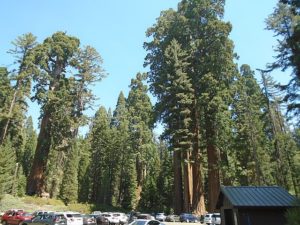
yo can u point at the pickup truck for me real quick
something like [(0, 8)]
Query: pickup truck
[(15, 217)]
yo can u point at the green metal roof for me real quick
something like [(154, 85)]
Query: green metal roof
[(257, 196)]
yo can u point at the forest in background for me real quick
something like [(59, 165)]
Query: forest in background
[(221, 125)]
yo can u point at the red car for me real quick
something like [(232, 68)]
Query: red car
[(15, 217)]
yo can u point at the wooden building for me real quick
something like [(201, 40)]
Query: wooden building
[(252, 205)]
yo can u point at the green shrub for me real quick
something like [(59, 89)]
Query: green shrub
[(293, 215)]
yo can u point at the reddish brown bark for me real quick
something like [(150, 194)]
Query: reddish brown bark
[(198, 189), (198, 206), (188, 184), (213, 167), (178, 192), (35, 184)]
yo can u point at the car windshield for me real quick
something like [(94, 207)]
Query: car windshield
[(139, 222), (74, 215)]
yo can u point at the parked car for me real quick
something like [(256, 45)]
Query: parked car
[(172, 218), (160, 217), (96, 213), (201, 218), (123, 219), (73, 218), (88, 219), (208, 218), (146, 222), (15, 217), (41, 212), (102, 220), (47, 219), (112, 219), (216, 219), (145, 216), (133, 216), (187, 217)]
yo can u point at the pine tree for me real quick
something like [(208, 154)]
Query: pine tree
[(101, 146), (118, 157), (165, 180), (83, 169), (7, 167), (283, 145), (251, 144), (140, 116), (284, 21), (16, 105), (69, 188), (30, 145)]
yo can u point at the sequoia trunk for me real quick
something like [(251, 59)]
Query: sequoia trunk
[(213, 167), (178, 197), (36, 179)]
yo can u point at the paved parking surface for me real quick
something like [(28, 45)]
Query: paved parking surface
[(179, 223)]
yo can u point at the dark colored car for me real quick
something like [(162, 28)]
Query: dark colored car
[(187, 217), (89, 219), (102, 220)]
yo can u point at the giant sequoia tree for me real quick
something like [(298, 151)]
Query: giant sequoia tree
[(61, 95), (198, 28)]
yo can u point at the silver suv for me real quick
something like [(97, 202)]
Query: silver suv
[(216, 219), (208, 218)]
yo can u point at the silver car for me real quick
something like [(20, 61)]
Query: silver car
[(216, 219), (160, 217)]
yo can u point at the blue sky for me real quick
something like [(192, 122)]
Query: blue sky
[(116, 28)]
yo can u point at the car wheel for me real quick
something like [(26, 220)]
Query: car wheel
[(4, 223)]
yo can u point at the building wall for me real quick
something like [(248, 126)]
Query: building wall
[(261, 216)]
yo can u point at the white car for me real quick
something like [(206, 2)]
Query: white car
[(216, 219), (73, 218), (123, 218), (145, 222), (112, 219), (160, 217), (208, 218)]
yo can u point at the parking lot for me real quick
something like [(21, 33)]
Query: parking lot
[(179, 223)]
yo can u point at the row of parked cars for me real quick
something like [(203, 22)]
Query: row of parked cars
[(20, 217), (209, 218)]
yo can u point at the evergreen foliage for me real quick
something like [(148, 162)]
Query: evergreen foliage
[(7, 167), (251, 143), (285, 22), (220, 125), (29, 147), (69, 188)]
